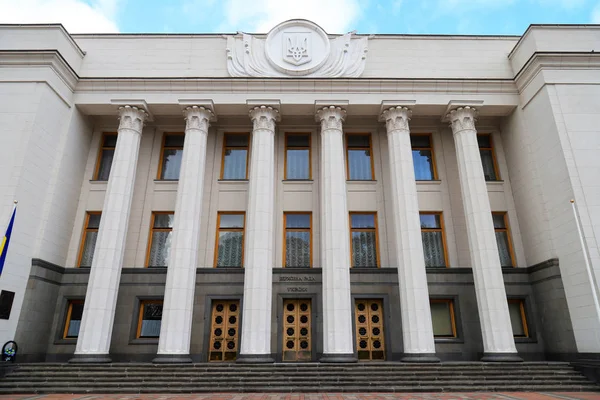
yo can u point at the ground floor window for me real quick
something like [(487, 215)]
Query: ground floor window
[(149, 319), (73, 320), (443, 318), (518, 320)]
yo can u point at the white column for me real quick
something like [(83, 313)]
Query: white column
[(176, 326), (417, 331), (498, 341), (338, 345), (93, 343), (256, 317)]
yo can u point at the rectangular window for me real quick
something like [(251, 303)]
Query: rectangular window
[(149, 319), (488, 158), (363, 229), (434, 240), (516, 309), (505, 248), (423, 157), (298, 240), (229, 250), (159, 246), (235, 156), (105, 156), (88, 240), (73, 320), (359, 160), (443, 318), (297, 156), (170, 156)]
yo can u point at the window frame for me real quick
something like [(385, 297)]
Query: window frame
[(101, 149), (370, 148), (442, 228), (376, 229), (138, 330), (450, 302), (150, 235), (511, 248), (285, 230), (225, 147), (163, 147), (286, 148), (218, 230), (84, 235), (494, 159), (526, 329), (430, 148), (70, 303)]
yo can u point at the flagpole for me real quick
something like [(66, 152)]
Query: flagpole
[(586, 257)]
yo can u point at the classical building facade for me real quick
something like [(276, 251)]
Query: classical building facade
[(301, 196)]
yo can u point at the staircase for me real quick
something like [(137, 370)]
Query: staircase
[(311, 377)]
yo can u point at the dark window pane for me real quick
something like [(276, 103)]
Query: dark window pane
[(236, 140), (498, 220), (6, 301), (487, 160), (297, 221), (362, 220), (430, 221), (364, 249), (423, 165), (298, 140), (235, 164), (94, 221), (514, 310), (174, 140), (160, 249), (110, 141), (297, 164), (503, 249), (433, 249), (230, 249), (163, 220), (358, 140), (171, 164), (75, 322), (77, 311), (484, 141), (151, 321), (87, 253), (297, 249), (231, 221), (442, 319), (420, 141), (359, 165), (105, 163), (153, 311)]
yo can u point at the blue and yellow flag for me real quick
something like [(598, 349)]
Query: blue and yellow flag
[(5, 240)]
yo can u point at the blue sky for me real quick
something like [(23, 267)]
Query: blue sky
[(335, 16)]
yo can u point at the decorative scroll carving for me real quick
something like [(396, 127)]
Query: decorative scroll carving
[(396, 118), (462, 118), (264, 117), (132, 118), (331, 117), (197, 118)]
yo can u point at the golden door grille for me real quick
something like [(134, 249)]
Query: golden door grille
[(370, 342), (224, 334), (296, 330)]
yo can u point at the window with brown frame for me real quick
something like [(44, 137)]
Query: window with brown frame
[(505, 247), (88, 239), (73, 319), (363, 239), (170, 156), (443, 318), (235, 156), (518, 320), (105, 156), (149, 319), (297, 250), (359, 157), (434, 239), (159, 242), (297, 156), (488, 157), (229, 247), (423, 157)]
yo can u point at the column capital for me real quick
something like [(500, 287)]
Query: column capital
[(197, 117), (396, 118), (132, 117), (264, 117), (331, 117), (462, 118)]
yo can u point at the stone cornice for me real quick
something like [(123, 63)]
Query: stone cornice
[(59, 27)]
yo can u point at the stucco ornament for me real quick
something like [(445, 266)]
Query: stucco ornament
[(296, 48)]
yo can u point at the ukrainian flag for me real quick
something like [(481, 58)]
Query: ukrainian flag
[(4, 241)]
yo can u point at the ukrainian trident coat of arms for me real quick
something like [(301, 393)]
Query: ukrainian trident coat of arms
[(296, 47)]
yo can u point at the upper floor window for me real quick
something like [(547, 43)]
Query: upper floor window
[(434, 241), (488, 158), (298, 239), (150, 317), (297, 156), (105, 156), (88, 239), (229, 250), (73, 320), (363, 229), (443, 318), (505, 248), (518, 320), (359, 160), (423, 158), (170, 156), (159, 247), (235, 156)]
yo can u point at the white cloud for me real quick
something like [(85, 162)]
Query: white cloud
[(596, 15), (335, 16), (77, 16)]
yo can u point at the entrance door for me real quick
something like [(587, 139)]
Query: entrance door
[(369, 329), (224, 331), (297, 343)]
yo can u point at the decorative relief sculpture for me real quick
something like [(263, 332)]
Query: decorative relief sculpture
[(296, 48)]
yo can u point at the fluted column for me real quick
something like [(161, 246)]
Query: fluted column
[(93, 343), (417, 330), (338, 344), (498, 341), (176, 326), (256, 318)]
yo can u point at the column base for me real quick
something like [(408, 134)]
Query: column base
[(90, 358), (254, 359), (338, 358), (420, 358), (501, 357), (172, 359)]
